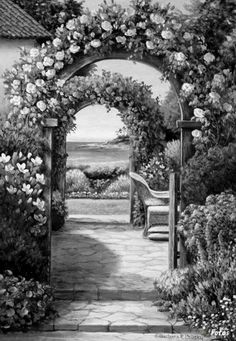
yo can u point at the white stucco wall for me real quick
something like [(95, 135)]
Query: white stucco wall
[(9, 54)]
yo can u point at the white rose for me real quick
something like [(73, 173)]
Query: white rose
[(227, 107), (74, 48), (187, 88), (34, 53), (77, 35), (209, 58), (84, 19), (150, 45), (218, 80), (53, 102), (31, 88), (131, 32), (57, 42), (141, 24), (40, 65), (180, 57), (96, 43), (59, 65), (60, 55), (37, 161), (39, 82), (196, 133), (149, 33), (71, 24), (16, 100), (187, 36), (167, 35), (16, 83), (106, 26), (157, 19), (25, 111), (41, 105), (199, 113), (27, 68), (121, 40), (50, 73), (214, 97), (60, 83), (48, 61)]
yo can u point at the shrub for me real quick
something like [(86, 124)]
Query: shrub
[(173, 155), (76, 181), (59, 211), (156, 173), (210, 227), (102, 172), (23, 303), (122, 184), (211, 172), (23, 229)]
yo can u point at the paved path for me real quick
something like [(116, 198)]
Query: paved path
[(105, 257)]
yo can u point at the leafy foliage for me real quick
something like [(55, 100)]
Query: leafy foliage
[(210, 171), (23, 229), (23, 303), (59, 210), (172, 154)]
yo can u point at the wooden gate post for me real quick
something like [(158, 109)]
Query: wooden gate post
[(186, 127), (173, 217), (48, 127), (132, 187)]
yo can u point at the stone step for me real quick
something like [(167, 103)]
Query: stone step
[(100, 336), (112, 316), (104, 293)]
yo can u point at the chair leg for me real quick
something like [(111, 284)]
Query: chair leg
[(146, 227)]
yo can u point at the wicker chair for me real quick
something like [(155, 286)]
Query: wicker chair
[(148, 196)]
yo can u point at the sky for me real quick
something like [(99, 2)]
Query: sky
[(93, 122)]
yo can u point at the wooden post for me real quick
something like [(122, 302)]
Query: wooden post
[(49, 125), (62, 175), (186, 127), (173, 216), (132, 187)]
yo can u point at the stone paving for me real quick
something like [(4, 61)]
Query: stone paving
[(103, 258), (83, 336)]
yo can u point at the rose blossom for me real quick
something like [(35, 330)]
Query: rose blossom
[(180, 57), (16, 100), (41, 105), (196, 133), (40, 65), (121, 40), (34, 53), (187, 36), (150, 45), (27, 68), (199, 113), (167, 35), (59, 65), (131, 32), (25, 111), (214, 97), (157, 19), (84, 19), (227, 107), (31, 88), (37, 161), (60, 55), (16, 83), (48, 61), (96, 43), (106, 26), (50, 73), (187, 88), (70, 24), (74, 48), (57, 42), (209, 58), (39, 82)]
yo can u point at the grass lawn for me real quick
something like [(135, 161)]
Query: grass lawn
[(98, 206)]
